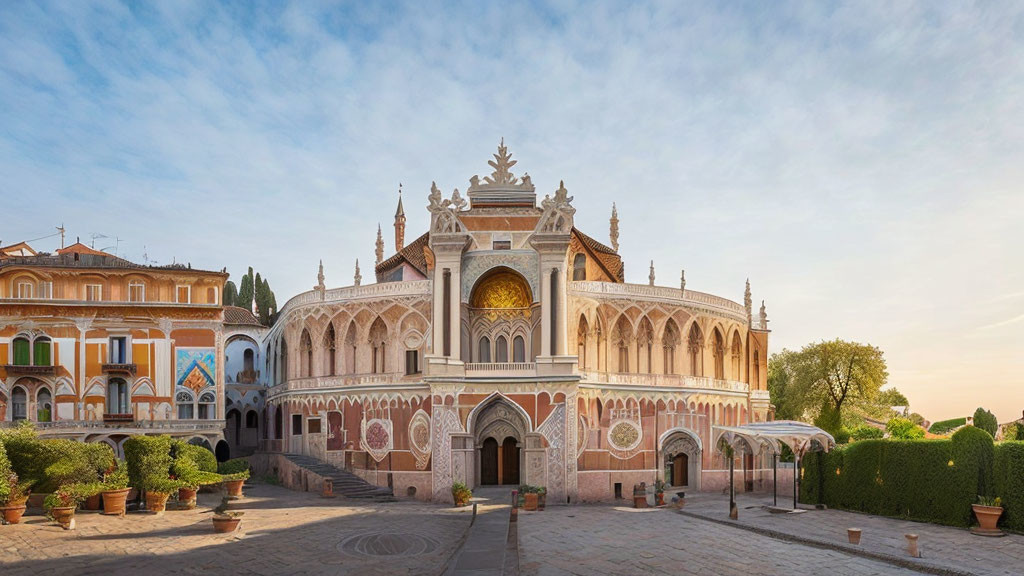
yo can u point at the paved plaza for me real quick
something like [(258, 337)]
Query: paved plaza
[(286, 532)]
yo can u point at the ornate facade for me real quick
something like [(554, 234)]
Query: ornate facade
[(97, 348), (504, 347)]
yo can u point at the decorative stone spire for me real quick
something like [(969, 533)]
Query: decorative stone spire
[(682, 282), (358, 278), (320, 278), (650, 277), (613, 225), (748, 303), (399, 222), (380, 245), (764, 317)]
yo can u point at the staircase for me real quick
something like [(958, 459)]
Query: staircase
[(346, 484)]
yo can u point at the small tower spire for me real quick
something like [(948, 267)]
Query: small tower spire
[(764, 317), (613, 225), (748, 303), (399, 222), (682, 283), (358, 278), (650, 277), (320, 278), (380, 245)]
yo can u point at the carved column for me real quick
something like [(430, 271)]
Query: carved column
[(447, 249), (553, 249)]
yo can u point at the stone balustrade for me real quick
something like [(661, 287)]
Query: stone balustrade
[(663, 380), (501, 369), (690, 298), (348, 293), (126, 426)]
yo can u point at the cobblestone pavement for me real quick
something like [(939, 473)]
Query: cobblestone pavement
[(605, 540), (941, 546), (282, 532)]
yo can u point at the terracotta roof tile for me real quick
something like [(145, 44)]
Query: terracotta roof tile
[(237, 315), (411, 253)]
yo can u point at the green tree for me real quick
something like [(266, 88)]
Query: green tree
[(986, 421), (835, 373), (245, 291), (789, 403), (903, 429), (266, 304), (230, 293)]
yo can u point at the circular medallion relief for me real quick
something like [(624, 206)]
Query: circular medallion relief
[(377, 436), (421, 436), (624, 436)]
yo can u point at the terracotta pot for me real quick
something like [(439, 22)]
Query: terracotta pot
[(12, 514), (114, 501), (542, 501), (234, 488), (92, 502), (156, 502), (36, 500), (186, 498), (988, 517), (223, 524), (460, 500), (853, 534), (63, 515), (660, 498), (531, 502)]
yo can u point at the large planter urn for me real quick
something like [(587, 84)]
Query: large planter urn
[(186, 498), (225, 523), (12, 514), (63, 515), (156, 502), (542, 500), (92, 502), (114, 501), (234, 488), (640, 495), (988, 517), (531, 502)]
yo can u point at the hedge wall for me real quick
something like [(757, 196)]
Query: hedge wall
[(1008, 477), (927, 480), (943, 426), (202, 457), (149, 460), (50, 463)]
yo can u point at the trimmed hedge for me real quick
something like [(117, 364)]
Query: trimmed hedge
[(5, 474), (926, 480), (943, 426), (202, 457), (53, 462), (1008, 476), (149, 460)]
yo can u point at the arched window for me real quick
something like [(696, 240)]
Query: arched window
[(329, 351), (501, 349), (623, 335), (44, 405), (484, 350), (306, 349), (185, 402), (207, 406), (757, 369), (41, 349), (282, 364), (278, 423), (669, 341), (694, 345), (22, 351), (581, 342), (518, 349), (579, 267), (644, 346), (378, 340), (263, 418), (251, 421), (350, 349), (248, 363), (19, 403), (117, 397), (719, 352), (736, 353)]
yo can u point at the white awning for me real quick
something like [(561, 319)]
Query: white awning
[(799, 436)]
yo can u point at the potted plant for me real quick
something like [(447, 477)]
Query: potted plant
[(659, 492), (531, 498), (461, 493), (225, 520), (191, 478), (13, 504), (60, 505), (987, 510), (115, 489), (234, 472), (542, 497), (157, 493)]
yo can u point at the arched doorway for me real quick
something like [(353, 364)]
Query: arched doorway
[(489, 462), (510, 462), (499, 428), (502, 315), (223, 452), (681, 457)]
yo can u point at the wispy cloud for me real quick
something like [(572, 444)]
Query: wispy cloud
[(860, 162)]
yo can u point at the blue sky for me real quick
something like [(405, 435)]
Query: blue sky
[(862, 163)]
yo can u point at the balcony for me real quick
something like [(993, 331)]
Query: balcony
[(28, 370), (119, 369), (663, 380), (118, 418), (485, 369)]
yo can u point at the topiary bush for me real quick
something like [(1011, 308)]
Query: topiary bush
[(943, 426), (149, 460), (1008, 478), (47, 464), (204, 460), (5, 474), (865, 432)]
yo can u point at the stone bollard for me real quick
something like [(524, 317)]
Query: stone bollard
[(328, 488), (912, 548), (734, 511), (854, 535)]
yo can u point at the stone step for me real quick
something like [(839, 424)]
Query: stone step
[(345, 483)]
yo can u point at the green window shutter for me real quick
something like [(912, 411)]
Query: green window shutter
[(42, 356), (21, 352)]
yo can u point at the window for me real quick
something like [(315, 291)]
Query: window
[(22, 352), (296, 424), (119, 350), (278, 424), (579, 267), (518, 349), (24, 289), (45, 290), (207, 406), (19, 404), (313, 426), (44, 406), (185, 406), (136, 292), (41, 351), (93, 292), (412, 361), (211, 295), (251, 419), (117, 397), (484, 349), (501, 349), (184, 294), (501, 245)]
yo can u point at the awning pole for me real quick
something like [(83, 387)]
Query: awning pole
[(775, 479), (796, 475), (732, 487)]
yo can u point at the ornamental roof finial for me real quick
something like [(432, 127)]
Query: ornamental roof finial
[(650, 277), (380, 245), (320, 278), (748, 303), (682, 283), (764, 317), (358, 278), (613, 228)]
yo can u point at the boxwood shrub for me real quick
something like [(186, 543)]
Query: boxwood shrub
[(943, 426), (53, 462), (149, 460), (202, 457), (1008, 477), (927, 480)]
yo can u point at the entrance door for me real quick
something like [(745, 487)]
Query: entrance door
[(681, 470), (748, 472), (489, 462), (509, 462)]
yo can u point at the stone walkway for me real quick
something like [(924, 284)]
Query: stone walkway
[(942, 547), (282, 532), (483, 553), (604, 540)]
